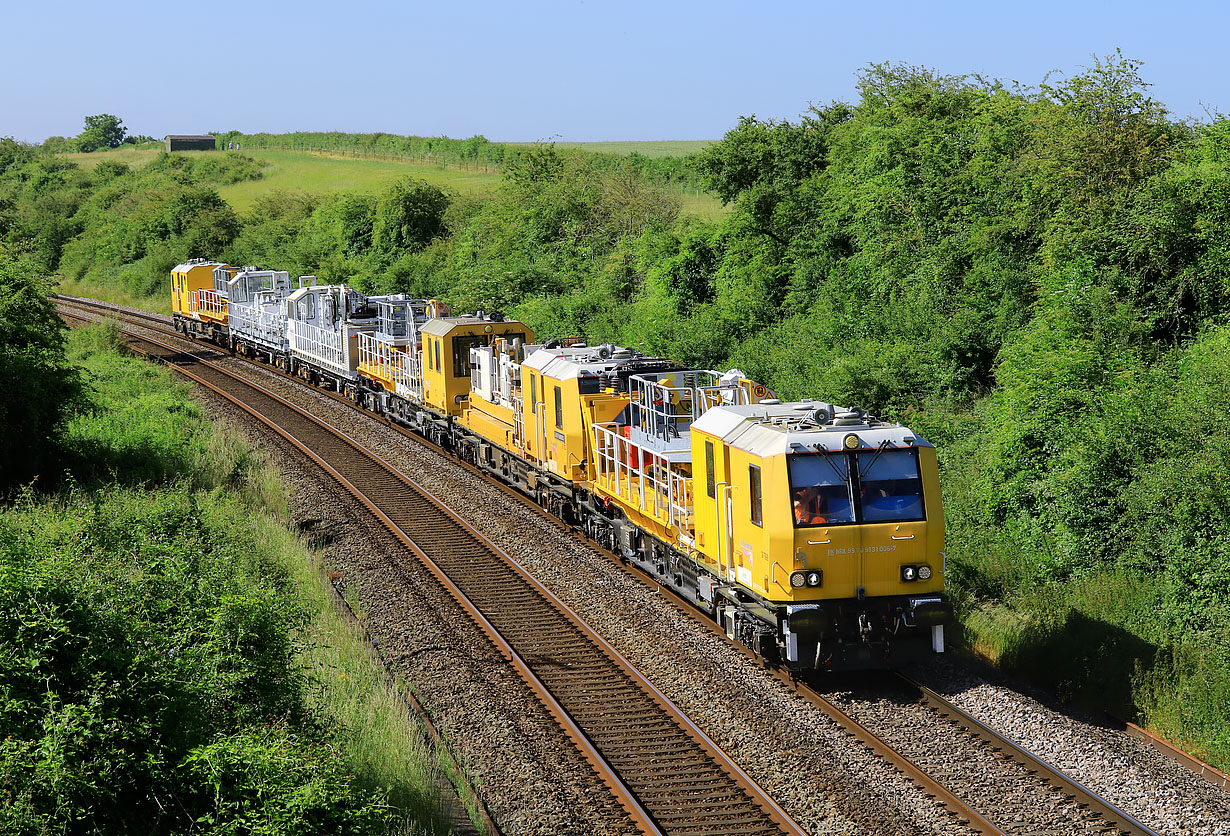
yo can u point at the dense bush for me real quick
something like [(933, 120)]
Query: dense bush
[(40, 388), (136, 226), (150, 677), (1035, 278)]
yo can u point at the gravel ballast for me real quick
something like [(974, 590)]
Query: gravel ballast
[(812, 768)]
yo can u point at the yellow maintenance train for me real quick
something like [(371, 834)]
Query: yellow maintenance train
[(813, 533)]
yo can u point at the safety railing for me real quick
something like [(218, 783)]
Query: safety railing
[(263, 322), (408, 373), (641, 477), (379, 359), (665, 405), (323, 346), (208, 302), (391, 363)]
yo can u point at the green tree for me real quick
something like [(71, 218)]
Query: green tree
[(408, 216), (101, 131)]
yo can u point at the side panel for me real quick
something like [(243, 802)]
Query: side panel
[(531, 405), (566, 452), (436, 372), (492, 422), (763, 529)]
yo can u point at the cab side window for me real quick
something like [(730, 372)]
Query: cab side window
[(710, 484), (757, 501)]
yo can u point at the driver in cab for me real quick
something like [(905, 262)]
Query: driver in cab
[(809, 507)]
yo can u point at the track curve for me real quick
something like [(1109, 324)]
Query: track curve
[(668, 775)]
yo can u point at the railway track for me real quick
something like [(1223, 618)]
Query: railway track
[(665, 771), (1086, 810), (1091, 804), (551, 659)]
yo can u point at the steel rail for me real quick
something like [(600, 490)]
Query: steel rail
[(955, 805), (1110, 814), (643, 818)]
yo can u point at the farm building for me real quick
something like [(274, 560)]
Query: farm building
[(185, 142)]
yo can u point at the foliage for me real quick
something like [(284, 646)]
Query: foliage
[(101, 131), (41, 388), (14, 153), (161, 663), (212, 168), (137, 225), (154, 649), (409, 215)]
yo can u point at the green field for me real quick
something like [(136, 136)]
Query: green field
[(313, 172), (129, 154), (319, 172)]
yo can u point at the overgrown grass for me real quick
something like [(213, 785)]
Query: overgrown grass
[(130, 155), (147, 468), (116, 294), (1101, 641)]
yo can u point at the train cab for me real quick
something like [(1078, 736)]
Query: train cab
[(446, 344), (198, 298), (826, 524)]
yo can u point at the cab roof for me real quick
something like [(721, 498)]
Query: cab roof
[(771, 429), (568, 362), (443, 326), (194, 263)]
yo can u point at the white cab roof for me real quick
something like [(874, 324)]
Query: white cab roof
[(565, 363), (771, 429)]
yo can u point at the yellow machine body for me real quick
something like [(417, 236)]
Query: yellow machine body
[(193, 292), (446, 357)]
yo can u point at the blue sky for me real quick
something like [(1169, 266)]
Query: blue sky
[(574, 71)]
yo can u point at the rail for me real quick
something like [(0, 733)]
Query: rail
[(1111, 815), (616, 718)]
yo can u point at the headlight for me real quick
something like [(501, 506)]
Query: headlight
[(908, 573), (924, 573), (814, 578), (798, 579)]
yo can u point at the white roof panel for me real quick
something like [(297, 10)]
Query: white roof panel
[(773, 429), (188, 265)]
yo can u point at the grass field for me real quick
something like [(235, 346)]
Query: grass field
[(663, 148), (317, 173), (129, 154), (303, 171)]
